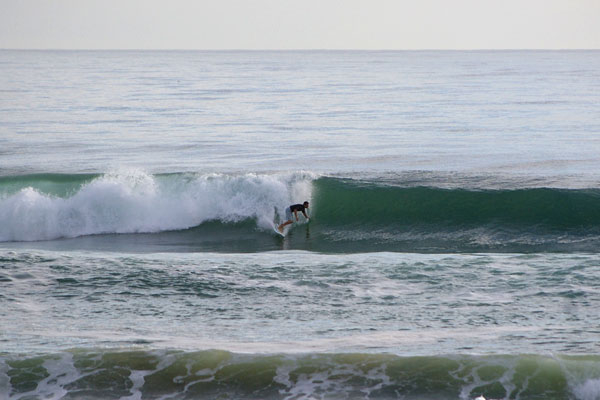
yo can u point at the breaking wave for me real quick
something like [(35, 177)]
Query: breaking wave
[(163, 374), (239, 211), (64, 206)]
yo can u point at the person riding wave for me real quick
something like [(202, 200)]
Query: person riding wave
[(294, 208)]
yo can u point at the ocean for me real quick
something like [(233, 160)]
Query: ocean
[(452, 250)]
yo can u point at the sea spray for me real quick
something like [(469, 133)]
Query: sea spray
[(137, 202)]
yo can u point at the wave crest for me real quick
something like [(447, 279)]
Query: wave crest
[(136, 202)]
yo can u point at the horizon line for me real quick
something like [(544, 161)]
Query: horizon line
[(292, 50)]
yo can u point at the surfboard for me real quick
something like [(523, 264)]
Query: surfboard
[(277, 231)]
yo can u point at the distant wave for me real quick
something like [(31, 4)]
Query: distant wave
[(101, 374), (347, 215)]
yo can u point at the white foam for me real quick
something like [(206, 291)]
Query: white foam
[(135, 202), (4, 380), (583, 377), (588, 390), (138, 380), (61, 372), (331, 379)]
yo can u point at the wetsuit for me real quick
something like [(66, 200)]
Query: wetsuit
[(297, 207), (291, 209)]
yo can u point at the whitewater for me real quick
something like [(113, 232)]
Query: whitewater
[(451, 253), (133, 201)]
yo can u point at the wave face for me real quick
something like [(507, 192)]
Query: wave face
[(380, 206), (436, 219), (80, 374), (215, 212)]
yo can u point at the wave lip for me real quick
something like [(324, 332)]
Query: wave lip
[(100, 374)]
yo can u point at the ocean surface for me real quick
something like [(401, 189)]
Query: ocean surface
[(453, 249)]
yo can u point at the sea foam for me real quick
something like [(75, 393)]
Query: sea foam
[(138, 202)]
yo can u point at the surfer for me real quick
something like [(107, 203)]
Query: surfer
[(294, 208)]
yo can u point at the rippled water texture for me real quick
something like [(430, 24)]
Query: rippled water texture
[(532, 113), (452, 250)]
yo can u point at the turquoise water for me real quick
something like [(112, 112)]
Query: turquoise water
[(452, 251), (189, 212)]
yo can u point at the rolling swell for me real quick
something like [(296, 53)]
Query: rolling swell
[(220, 374), (377, 206), (215, 212), (430, 219)]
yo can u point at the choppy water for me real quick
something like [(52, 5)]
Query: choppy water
[(452, 251)]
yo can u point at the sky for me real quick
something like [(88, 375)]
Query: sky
[(300, 24)]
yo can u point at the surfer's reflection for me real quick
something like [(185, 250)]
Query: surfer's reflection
[(286, 244)]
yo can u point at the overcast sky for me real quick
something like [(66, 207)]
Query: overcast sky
[(300, 24)]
